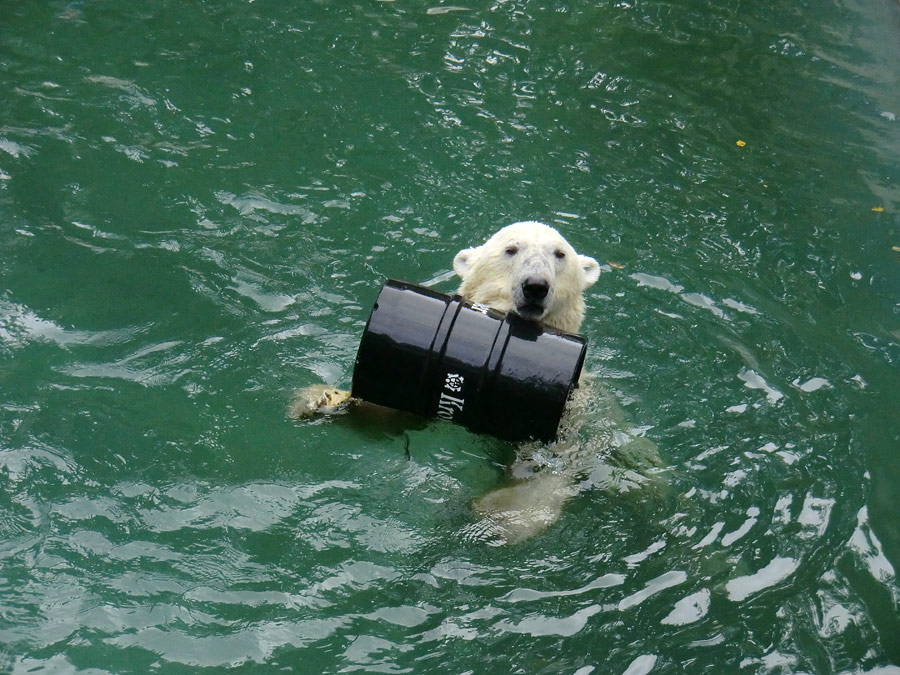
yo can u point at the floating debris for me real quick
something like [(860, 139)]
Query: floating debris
[(741, 144)]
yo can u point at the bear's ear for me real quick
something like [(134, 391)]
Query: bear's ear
[(590, 270), (463, 261)]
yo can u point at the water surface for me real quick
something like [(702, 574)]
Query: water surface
[(198, 203)]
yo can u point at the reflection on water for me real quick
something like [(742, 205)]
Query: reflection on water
[(198, 205)]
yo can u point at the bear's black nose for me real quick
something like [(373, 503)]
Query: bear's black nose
[(535, 289)]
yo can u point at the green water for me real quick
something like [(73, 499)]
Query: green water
[(198, 203)]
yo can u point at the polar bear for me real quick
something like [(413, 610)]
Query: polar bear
[(530, 269), (527, 268)]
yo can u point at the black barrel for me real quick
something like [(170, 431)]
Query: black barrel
[(437, 355)]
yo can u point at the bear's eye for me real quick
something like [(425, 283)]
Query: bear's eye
[(512, 250), (559, 254)]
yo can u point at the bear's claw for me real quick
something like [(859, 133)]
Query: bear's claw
[(317, 398)]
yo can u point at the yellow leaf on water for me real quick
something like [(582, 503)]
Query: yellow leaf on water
[(615, 265), (878, 209), (896, 249), (741, 144)]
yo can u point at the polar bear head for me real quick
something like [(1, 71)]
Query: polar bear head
[(530, 269)]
